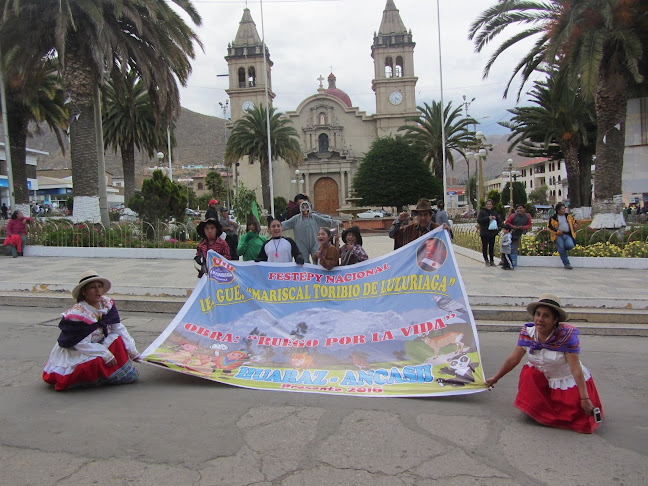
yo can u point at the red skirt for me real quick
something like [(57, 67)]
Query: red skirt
[(555, 407), (94, 372)]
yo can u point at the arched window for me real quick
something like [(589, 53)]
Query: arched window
[(400, 69), (322, 119), (558, 178), (241, 78), (323, 143), (251, 77), (200, 186), (559, 192), (389, 68)]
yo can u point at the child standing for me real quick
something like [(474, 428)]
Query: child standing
[(210, 231), (328, 255), (251, 242), (279, 248), (505, 247)]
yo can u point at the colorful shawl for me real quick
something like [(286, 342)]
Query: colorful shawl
[(75, 327), (563, 339)]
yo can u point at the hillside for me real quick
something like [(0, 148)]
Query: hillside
[(201, 141)]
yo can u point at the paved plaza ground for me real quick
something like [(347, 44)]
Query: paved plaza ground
[(174, 429)]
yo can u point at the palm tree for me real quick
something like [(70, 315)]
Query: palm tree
[(33, 96), (561, 125), (130, 121), (426, 133), (249, 137), (601, 42), (96, 38)]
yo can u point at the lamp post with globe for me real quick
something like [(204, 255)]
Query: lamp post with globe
[(511, 174)]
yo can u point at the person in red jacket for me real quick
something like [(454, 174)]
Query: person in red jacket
[(520, 221), (210, 231), (17, 233)]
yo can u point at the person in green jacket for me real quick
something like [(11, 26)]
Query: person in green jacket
[(251, 242)]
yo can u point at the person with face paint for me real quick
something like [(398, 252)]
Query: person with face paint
[(279, 248), (306, 226)]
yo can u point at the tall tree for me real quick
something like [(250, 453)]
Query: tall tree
[(250, 138), (160, 199), (425, 132), (95, 38), (34, 95), (394, 173), (130, 121), (216, 185), (601, 42), (560, 125)]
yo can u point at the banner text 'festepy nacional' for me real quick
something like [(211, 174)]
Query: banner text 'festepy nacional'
[(398, 325)]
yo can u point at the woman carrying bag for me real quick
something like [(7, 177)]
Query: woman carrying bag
[(489, 224)]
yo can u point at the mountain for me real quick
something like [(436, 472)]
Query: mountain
[(200, 141)]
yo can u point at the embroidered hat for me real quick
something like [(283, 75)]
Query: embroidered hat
[(354, 230), (87, 277), (201, 227), (549, 300), (422, 205)]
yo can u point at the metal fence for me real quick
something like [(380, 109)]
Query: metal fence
[(138, 234)]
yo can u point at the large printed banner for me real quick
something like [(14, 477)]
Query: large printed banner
[(398, 325)]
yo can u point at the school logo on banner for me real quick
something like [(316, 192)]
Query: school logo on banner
[(398, 325)]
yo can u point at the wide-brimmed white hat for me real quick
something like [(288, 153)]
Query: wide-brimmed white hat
[(549, 300), (85, 278)]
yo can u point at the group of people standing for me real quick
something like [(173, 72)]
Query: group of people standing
[(314, 240), (561, 227)]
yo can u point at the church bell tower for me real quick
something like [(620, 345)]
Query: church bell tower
[(245, 62), (394, 82)]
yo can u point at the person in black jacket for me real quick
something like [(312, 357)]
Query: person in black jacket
[(484, 219)]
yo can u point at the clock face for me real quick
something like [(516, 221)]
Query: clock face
[(247, 105), (395, 98)]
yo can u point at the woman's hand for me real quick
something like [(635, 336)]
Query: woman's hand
[(587, 406), (491, 382)]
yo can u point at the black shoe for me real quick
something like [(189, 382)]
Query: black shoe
[(487, 264), (492, 264), (568, 267)]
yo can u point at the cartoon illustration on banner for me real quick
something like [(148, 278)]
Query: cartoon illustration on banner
[(398, 325)]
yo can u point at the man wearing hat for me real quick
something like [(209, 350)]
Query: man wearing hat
[(212, 212), (402, 233)]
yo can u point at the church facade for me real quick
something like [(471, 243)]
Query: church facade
[(333, 134)]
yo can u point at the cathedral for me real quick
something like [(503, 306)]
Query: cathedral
[(333, 134)]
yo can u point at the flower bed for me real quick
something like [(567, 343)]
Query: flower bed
[(632, 243)]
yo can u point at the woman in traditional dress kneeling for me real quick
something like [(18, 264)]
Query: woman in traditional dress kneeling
[(94, 347), (555, 389)]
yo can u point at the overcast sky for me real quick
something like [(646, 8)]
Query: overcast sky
[(308, 37)]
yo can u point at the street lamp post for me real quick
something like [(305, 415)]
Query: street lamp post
[(481, 154), (160, 157), (511, 173), (298, 178), (188, 181)]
